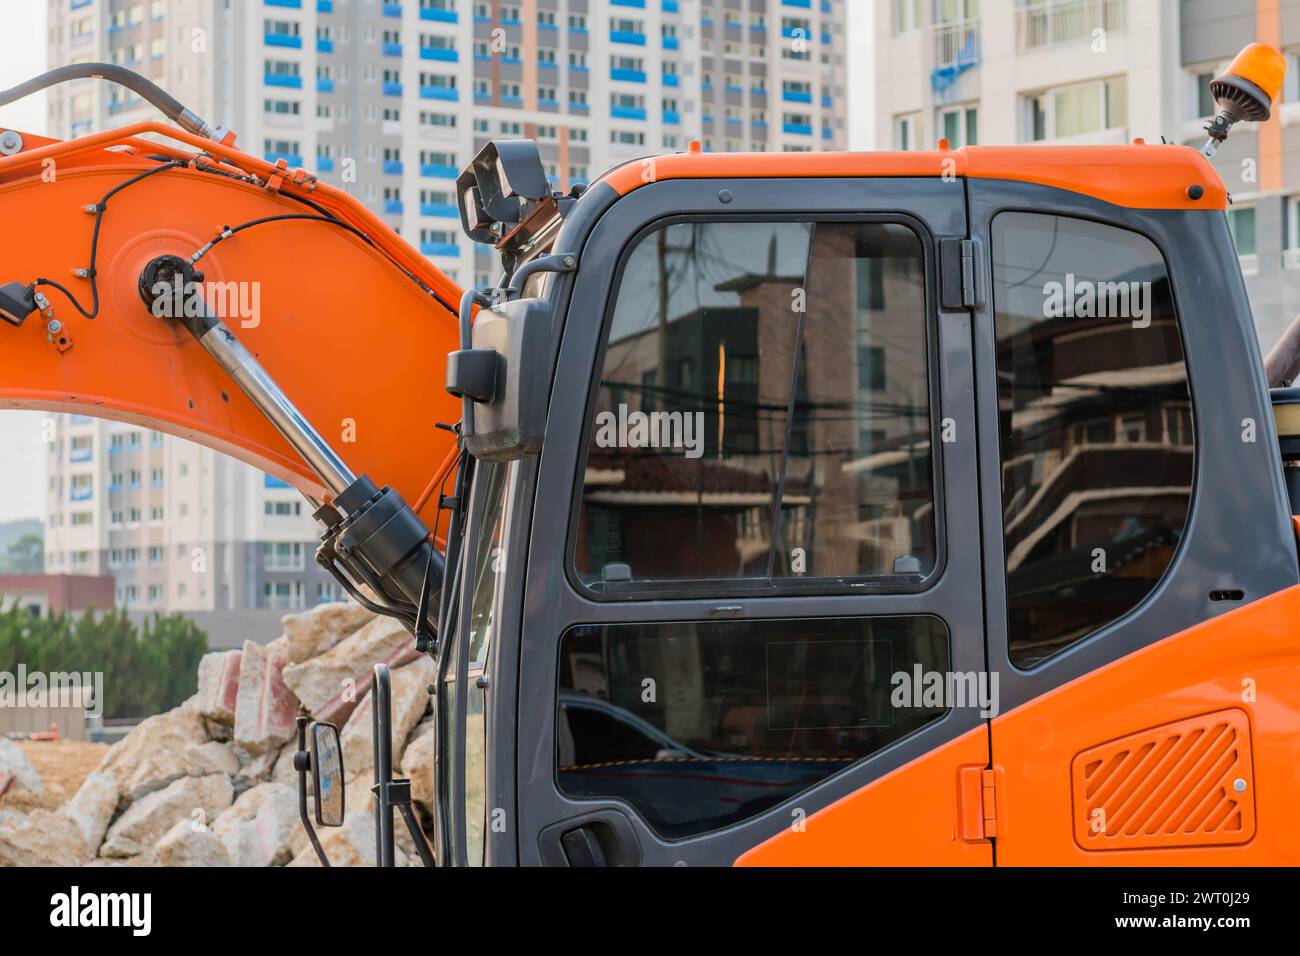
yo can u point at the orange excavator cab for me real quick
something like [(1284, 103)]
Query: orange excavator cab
[(830, 508)]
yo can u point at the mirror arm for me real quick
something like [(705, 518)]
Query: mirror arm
[(302, 763)]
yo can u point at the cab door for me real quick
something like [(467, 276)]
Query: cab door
[(752, 626), (1140, 562)]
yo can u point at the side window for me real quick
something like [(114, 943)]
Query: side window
[(702, 725), (1095, 422), (763, 412)]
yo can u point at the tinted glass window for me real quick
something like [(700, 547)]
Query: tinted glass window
[(700, 725), (763, 410), (1096, 425)]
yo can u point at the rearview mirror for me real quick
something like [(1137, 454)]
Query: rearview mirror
[(507, 374), (327, 774)]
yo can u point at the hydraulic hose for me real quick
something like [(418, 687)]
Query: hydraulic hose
[(172, 108)]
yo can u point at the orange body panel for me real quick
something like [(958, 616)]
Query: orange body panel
[(1246, 660), (915, 816), (357, 345), (1139, 176)]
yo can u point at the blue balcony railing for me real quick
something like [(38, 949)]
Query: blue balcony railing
[(283, 79), (325, 164), (324, 6), (671, 79), (291, 4), (670, 43), (392, 49), (324, 84), (446, 210), (444, 56), (627, 112), (627, 36), (795, 96), (798, 129), (324, 45), (439, 249), (627, 76), (392, 167), (283, 39), (291, 159), (392, 10), (670, 6), (391, 88), (393, 206), (638, 4), (438, 16), (801, 4), (672, 117), (82, 494), (449, 93), (438, 171), (270, 481), (80, 454)]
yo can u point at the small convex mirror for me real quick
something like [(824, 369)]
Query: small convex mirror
[(327, 774)]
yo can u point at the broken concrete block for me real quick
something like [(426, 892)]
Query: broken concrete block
[(16, 771), (312, 633), (331, 685), (92, 807), (265, 708), (189, 844), (211, 757), (409, 700), (219, 685), (191, 799), (258, 827), (154, 754), (44, 838), (417, 764)]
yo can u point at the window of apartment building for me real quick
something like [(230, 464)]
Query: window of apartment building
[(131, 557), (116, 517), (625, 137), (155, 554), (444, 120), (959, 125), (546, 56), (577, 21), (511, 128), (81, 518), (133, 515), (1241, 222), (578, 174), (282, 556), (282, 595), (577, 97), (282, 107), (133, 440), (546, 18), (283, 509), (1076, 110), (156, 514), (577, 135), (1097, 483), (906, 16), (907, 131), (282, 68), (482, 87), (284, 28), (114, 557)]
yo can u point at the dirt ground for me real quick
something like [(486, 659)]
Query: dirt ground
[(62, 764)]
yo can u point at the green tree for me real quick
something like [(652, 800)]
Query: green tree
[(24, 556)]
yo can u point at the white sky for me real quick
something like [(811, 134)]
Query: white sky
[(23, 55), (22, 455)]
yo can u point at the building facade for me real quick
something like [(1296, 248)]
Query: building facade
[(1105, 71), (178, 526), (390, 100)]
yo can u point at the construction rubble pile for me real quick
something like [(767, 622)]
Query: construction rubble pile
[(211, 782)]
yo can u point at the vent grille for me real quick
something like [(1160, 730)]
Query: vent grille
[(1188, 783)]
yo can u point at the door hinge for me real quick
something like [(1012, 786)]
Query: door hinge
[(979, 789), (957, 274)]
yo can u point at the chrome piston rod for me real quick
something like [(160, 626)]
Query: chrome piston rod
[(231, 354)]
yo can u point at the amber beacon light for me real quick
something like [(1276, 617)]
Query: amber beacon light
[(1247, 91)]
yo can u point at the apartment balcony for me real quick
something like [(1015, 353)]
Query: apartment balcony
[(628, 112), (283, 79), (324, 45), (290, 4), (290, 159), (439, 171), (449, 93), (391, 88), (324, 6), (439, 249), (392, 167), (626, 36), (287, 40), (392, 49), (671, 79), (443, 210), (324, 164), (797, 129), (443, 56), (393, 207), (1067, 21), (672, 117), (627, 76), (392, 10), (637, 4), (81, 494), (438, 16), (954, 49), (324, 84)]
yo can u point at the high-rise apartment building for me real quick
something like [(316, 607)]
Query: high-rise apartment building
[(389, 101), (180, 527), (1105, 71)]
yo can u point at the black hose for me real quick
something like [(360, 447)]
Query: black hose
[(171, 107)]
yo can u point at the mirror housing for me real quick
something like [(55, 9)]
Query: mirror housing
[(327, 774), (507, 374)]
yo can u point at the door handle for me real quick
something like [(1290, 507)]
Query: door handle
[(602, 838)]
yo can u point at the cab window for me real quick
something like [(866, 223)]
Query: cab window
[(699, 725), (1095, 417), (762, 413)]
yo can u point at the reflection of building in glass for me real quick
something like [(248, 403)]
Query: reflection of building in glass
[(828, 417), (1097, 446)]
